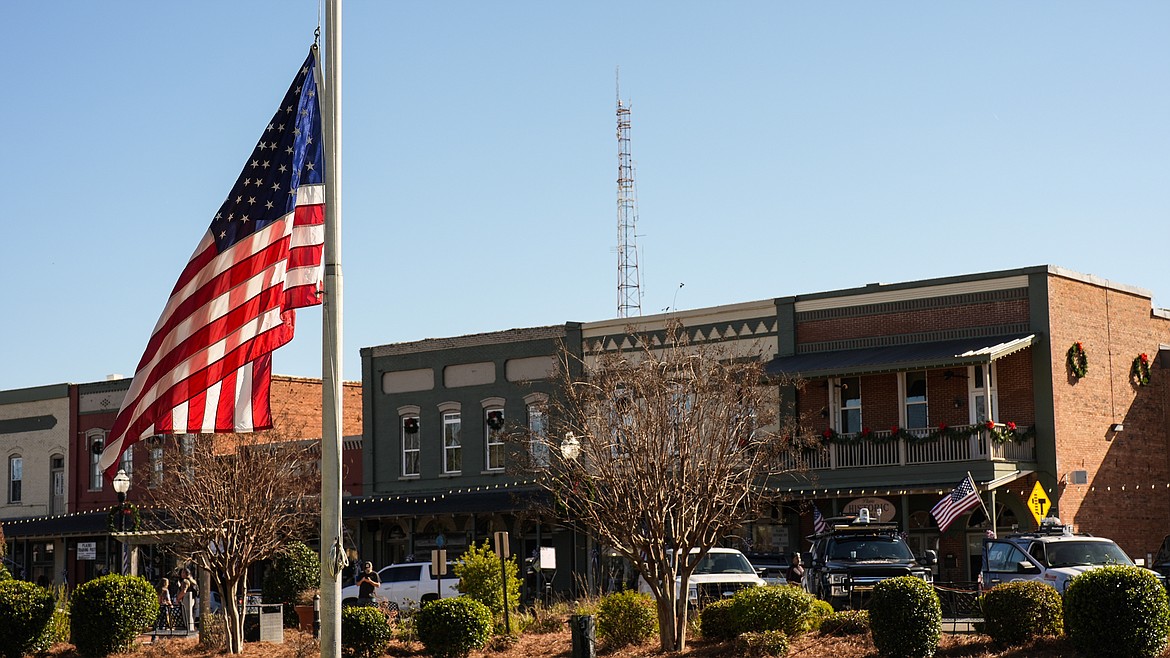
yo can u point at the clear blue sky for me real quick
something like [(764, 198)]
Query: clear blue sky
[(781, 148)]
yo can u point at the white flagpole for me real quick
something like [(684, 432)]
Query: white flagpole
[(332, 547)]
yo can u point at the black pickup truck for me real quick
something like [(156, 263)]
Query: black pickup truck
[(855, 554)]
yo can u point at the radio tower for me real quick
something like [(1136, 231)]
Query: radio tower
[(629, 281)]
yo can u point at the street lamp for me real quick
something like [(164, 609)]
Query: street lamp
[(121, 486), (571, 447)]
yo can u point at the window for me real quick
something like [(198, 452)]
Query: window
[(95, 441), (411, 445), (156, 461), (848, 405), (452, 448), (408, 573), (538, 431), (128, 461), (915, 400), (1002, 557), (15, 477), (981, 382), (493, 431)]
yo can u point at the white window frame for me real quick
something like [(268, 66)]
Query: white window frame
[(538, 431), (156, 461), (452, 442), (96, 477), (15, 479), (411, 446), (905, 403), (493, 441), (973, 393), (838, 408)]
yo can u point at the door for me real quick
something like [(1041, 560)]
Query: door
[(57, 482), (1004, 562), (402, 584)]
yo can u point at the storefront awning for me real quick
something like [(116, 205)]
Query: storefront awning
[(423, 504), (81, 523), (897, 358), (927, 485)]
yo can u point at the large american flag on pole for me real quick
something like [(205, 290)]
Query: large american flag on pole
[(208, 364), (964, 497)]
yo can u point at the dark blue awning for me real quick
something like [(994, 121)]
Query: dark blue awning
[(896, 358)]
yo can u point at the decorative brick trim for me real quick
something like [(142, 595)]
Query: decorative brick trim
[(965, 299), (912, 339)]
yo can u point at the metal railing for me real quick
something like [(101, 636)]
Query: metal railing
[(881, 450)]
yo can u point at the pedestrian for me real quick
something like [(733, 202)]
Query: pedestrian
[(165, 603), (185, 599), (795, 574), (368, 582)]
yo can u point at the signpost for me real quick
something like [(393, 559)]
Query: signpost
[(500, 539), (1038, 503), (439, 568)]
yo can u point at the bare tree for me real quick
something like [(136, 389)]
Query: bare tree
[(231, 501), (661, 451)]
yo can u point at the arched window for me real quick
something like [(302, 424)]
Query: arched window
[(95, 442), (411, 443), (15, 477), (493, 433), (452, 439)]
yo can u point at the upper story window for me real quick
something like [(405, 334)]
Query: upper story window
[(156, 460), (981, 388), (95, 441), (127, 463), (452, 443), (15, 477), (411, 444), (538, 436), (493, 432), (848, 393), (914, 400)]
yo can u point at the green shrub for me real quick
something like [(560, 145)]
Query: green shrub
[(771, 608), (1015, 613), (295, 570), (717, 620), (365, 632), (479, 577), (543, 619), (107, 614), (846, 622), (4, 574), (25, 611), (817, 615), (451, 628), (905, 618), (57, 630), (1117, 611), (627, 617), (762, 644)]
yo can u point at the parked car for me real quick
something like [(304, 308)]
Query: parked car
[(772, 567), (1053, 555), (854, 555), (408, 585), (720, 574)]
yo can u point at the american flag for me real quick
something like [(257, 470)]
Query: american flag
[(819, 523), (964, 497), (208, 363)]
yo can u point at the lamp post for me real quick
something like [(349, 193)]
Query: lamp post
[(121, 486)]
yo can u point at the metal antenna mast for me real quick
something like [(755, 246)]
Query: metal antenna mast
[(629, 280)]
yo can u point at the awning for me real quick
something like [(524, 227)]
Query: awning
[(929, 485), (897, 358), (81, 523), (424, 504)]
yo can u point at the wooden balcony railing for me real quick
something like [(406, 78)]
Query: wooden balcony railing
[(979, 445)]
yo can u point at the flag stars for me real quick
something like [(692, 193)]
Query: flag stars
[(309, 166), (255, 163), (222, 234), (244, 219), (239, 199), (251, 200), (282, 169), (270, 127), (265, 165), (268, 205), (276, 187)]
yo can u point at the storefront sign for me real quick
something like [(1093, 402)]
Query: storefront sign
[(880, 509), (87, 550)]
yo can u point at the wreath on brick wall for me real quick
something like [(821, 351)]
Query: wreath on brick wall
[(1078, 361), (130, 512), (1140, 371)]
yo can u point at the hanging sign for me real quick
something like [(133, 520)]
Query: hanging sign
[(880, 509)]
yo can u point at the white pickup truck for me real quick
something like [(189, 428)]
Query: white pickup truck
[(408, 585)]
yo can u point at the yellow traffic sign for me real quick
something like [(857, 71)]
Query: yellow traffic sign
[(1038, 503)]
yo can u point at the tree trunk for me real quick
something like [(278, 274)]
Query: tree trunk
[(666, 623), (680, 621), (233, 616)]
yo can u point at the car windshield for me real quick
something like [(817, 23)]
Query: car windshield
[(724, 563), (1084, 553), (869, 548)]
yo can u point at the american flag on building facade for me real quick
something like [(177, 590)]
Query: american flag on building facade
[(208, 364), (819, 523), (964, 497)]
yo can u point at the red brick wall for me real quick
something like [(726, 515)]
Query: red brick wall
[(914, 321), (1127, 497)]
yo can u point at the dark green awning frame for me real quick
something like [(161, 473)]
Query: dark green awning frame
[(899, 358)]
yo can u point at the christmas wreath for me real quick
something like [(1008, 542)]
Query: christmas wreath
[(495, 419), (1078, 361), (131, 514), (410, 425), (1140, 372)]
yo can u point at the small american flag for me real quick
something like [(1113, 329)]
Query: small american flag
[(208, 364), (819, 523), (964, 497)]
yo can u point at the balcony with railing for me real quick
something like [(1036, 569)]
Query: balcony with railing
[(922, 446)]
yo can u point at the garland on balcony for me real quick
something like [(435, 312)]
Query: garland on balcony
[(1078, 361), (999, 434), (1140, 371)]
